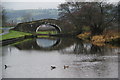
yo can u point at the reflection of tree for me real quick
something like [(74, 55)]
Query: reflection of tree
[(82, 48), (96, 49), (79, 48), (76, 48)]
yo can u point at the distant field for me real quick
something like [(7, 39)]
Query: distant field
[(47, 32), (13, 34), (37, 14)]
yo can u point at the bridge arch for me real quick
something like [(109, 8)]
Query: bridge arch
[(58, 29)]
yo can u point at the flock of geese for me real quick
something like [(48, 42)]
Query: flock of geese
[(52, 67)]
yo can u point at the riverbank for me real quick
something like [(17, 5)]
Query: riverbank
[(101, 40), (16, 36), (13, 34)]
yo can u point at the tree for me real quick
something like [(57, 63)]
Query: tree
[(97, 15), (4, 17)]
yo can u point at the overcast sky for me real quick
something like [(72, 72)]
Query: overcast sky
[(33, 4), (30, 5)]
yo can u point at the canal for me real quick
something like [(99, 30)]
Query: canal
[(71, 58), (5, 30)]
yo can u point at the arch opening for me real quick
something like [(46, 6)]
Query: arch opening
[(48, 29)]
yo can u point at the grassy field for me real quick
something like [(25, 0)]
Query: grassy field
[(13, 34), (47, 32), (16, 34)]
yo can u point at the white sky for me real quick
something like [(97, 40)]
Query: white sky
[(30, 5), (46, 0), (33, 0), (34, 4)]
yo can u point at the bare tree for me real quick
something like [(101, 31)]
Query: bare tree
[(97, 15)]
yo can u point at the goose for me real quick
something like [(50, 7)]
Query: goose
[(66, 66), (53, 67), (5, 66)]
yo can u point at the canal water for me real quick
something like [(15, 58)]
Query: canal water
[(5, 30), (71, 58)]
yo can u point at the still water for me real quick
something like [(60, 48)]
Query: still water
[(34, 58)]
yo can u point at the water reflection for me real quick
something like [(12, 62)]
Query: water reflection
[(45, 43), (85, 60)]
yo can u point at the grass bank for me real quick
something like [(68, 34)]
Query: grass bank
[(47, 32), (13, 34), (16, 34)]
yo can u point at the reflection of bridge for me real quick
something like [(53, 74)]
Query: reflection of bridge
[(47, 43), (60, 26), (37, 45)]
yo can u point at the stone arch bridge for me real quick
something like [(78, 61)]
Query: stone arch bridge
[(61, 26)]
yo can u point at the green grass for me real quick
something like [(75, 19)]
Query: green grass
[(16, 34), (43, 36), (47, 32), (13, 34)]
